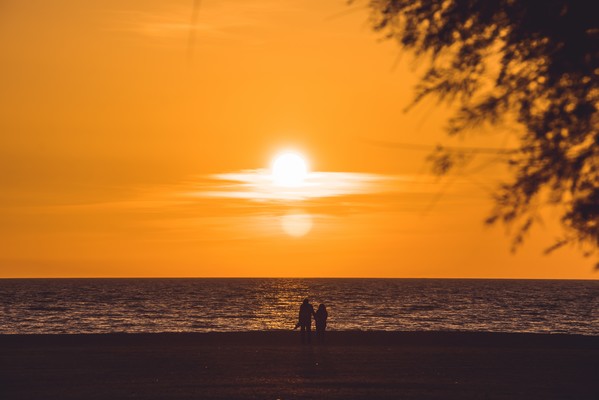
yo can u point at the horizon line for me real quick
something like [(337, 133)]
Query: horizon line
[(298, 277)]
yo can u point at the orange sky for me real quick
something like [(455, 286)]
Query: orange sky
[(120, 157)]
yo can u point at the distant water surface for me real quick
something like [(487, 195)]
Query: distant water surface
[(202, 305)]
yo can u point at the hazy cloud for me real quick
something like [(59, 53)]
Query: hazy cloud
[(230, 20)]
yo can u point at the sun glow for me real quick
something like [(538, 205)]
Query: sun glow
[(293, 189), (289, 169), (296, 224)]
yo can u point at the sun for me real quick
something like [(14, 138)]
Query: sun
[(289, 169)]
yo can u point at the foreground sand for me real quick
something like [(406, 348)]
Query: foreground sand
[(273, 365)]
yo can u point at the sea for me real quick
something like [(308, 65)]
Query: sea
[(53, 306)]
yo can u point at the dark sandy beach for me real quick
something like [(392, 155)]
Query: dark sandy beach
[(274, 365)]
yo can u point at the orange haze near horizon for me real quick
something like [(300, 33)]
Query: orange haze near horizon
[(123, 156)]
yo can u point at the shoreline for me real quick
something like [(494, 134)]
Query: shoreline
[(273, 364), (287, 337)]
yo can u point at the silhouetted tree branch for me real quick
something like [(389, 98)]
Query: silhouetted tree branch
[(534, 59)]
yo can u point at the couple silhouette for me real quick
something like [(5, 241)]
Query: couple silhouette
[(306, 312)]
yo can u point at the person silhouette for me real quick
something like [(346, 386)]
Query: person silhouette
[(306, 312), (321, 322)]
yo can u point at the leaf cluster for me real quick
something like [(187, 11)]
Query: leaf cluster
[(536, 60)]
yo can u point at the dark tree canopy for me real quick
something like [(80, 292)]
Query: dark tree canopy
[(533, 60)]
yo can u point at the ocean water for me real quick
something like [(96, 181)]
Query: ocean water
[(30, 306)]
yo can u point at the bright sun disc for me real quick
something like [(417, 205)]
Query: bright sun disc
[(289, 169)]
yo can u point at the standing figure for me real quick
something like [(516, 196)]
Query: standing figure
[(321, 322), (305, 320)]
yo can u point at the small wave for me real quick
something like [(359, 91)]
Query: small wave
[(421, 307), (48, 308)]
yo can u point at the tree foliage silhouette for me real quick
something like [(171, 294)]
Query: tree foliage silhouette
[(535, 60)]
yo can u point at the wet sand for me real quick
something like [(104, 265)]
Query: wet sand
[(274, 365)]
